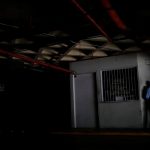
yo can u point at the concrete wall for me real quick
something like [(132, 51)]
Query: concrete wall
[(88, 66), (114, 114), (120, 115), (143, 75)]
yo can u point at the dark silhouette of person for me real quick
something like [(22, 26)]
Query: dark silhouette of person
[(146, 98)]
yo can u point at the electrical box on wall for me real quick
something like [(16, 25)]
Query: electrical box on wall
[(106, 92)]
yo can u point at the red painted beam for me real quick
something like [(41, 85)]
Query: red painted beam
[(28, 59), (113, 15), (81, 9)]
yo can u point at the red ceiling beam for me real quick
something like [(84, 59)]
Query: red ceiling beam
[(30, 60), (113, 14), (81, 9)]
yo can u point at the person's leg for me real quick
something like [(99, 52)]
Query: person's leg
[(145, 115), (148, 114)]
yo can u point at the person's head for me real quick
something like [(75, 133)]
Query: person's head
[(148, 83)]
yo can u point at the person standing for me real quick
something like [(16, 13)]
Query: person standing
[(146, 98)]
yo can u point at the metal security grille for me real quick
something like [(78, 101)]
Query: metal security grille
[(119, 85)]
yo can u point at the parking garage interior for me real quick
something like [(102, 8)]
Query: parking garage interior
[(40, 44)]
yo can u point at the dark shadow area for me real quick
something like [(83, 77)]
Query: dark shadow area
[(80, 139), (33, 101), (36, 104)]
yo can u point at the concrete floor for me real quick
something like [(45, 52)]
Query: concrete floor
[(96, 140)]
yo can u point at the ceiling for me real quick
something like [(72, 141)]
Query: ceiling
[(57, 32)]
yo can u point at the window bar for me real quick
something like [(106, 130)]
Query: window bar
[(136, 81), (125, 83), (132, 74), (103, 81), (108, 97), (123, 90), (132, 83), (115, 89), (123, 86), (120, 84), (128, 81), (137, 89), (102, 86), (117, 83), (129, 84), (105, 86), (111, 73), (110, 85), (136, 84), (113, 94), (125, 74)]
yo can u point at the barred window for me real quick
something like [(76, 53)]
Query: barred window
[(120, 85)]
